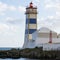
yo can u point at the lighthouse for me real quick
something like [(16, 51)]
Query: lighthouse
[(31, 26)]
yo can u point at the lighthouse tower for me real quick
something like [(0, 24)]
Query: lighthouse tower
[(31, 26)]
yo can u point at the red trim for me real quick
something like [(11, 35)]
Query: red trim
[(50, 41), (31, 5)]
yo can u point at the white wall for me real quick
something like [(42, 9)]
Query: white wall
[(46, 40), (34, 35), (53, 46)]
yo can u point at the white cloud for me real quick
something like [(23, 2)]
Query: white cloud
[(8, 27), (13, 21), (9, 34), (21, 9), (2, 13), (57, 1), (49, 6), (50, 17), (5, 7), (36, 2), (3, 27), (58, 13), (9, 19), (12, 8), (53, 6), (46, 1)]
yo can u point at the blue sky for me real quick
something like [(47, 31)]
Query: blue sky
[(12, 19)]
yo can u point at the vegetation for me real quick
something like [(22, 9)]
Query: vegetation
[(36, 53), (13, 53)]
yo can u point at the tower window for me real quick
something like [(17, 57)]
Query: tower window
[(31, 31), (32, 21)]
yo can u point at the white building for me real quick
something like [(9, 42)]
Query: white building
[(42, 38)]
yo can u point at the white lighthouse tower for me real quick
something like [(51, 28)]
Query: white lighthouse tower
[(31, 26)]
